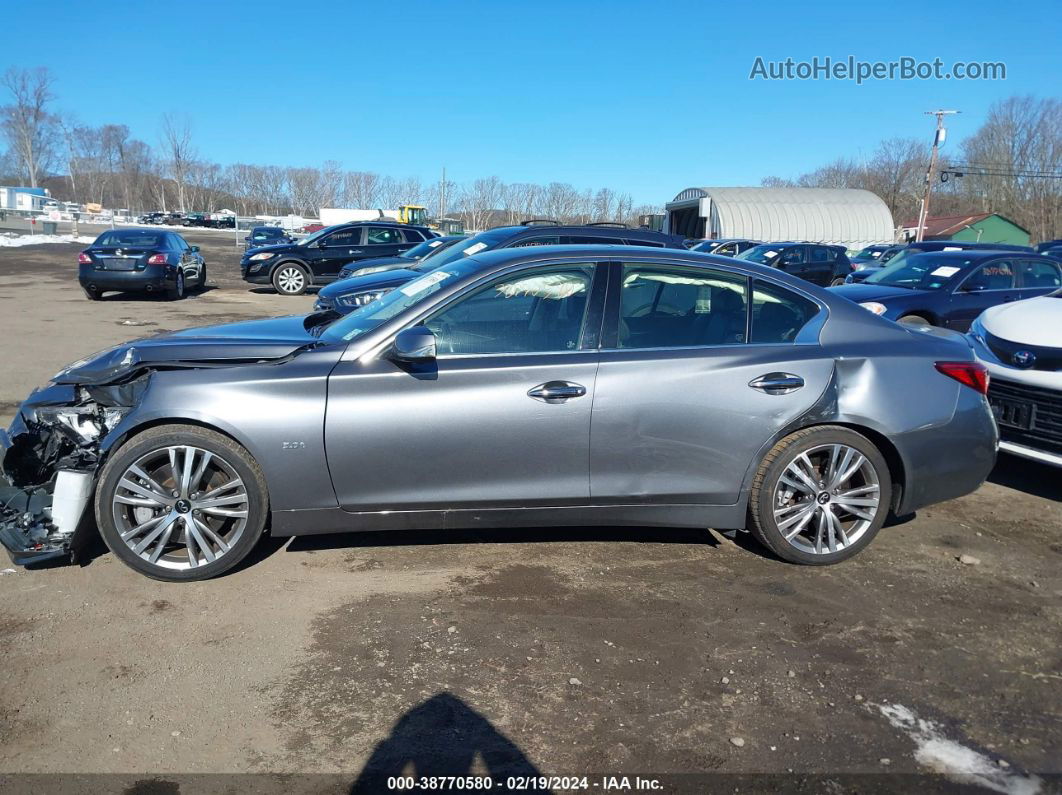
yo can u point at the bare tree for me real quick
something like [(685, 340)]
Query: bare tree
[(177, 144), (28, 126)]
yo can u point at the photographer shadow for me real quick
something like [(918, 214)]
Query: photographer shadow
[(443, 736)]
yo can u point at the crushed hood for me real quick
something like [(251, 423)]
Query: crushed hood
[(232, 343)]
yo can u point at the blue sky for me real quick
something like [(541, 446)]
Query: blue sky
[(643, 97)]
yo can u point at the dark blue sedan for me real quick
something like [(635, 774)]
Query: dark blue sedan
[(951, 288)]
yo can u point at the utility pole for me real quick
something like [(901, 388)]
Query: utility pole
[(442, 194), (938, 139)]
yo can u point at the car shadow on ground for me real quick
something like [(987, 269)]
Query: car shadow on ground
[(144, 297), (1031, 477), (270, 291)]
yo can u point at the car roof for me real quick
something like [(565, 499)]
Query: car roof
[(974, 254), (603, 231)]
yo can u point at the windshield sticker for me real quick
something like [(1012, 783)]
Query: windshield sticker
[(424, 282), (468, 252), (945, 270), (434, 243)]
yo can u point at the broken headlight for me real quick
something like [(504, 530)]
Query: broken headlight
[(87, 422)]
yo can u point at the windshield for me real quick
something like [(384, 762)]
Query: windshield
[(432, 260), (870, 252), (363, 320), (764, 255), (131, 238), (707, 245), (464, 248), (920, 271), (313, 238)]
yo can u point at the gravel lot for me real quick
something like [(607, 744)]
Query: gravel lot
[(567, 652)]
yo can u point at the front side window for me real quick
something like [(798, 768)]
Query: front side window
[(382, 235), (675, 307), (541, 240), (1039, 273), (791, 257), (535, 311), (997, 275), (778, 314)]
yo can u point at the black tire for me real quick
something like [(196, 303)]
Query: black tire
[(177, 292), (914, 320), (762, 499), (837, 282), (202, 277), (159, 439), (92, 295), (290, 278)]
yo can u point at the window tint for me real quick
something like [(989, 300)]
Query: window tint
[(777, 313), (382, 235), (998, 275), (132, 238), (1040, 273), (822, 254), (344, 237), (413, 236), (667, 307), (650, 243), (727, 249), (592, 241), (536, 311), (544, 240), (792, 256)]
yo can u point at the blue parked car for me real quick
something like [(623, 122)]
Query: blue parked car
[(900, 251), (951, 288)]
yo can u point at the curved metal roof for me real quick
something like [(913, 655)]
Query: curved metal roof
[(829, 215)]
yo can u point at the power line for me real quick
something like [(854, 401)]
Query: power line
[(995, 170)]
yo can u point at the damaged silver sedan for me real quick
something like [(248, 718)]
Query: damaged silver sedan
[(553, 386)]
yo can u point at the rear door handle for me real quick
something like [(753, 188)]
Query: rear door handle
[(556, 391), (777, 383), (355, 251)]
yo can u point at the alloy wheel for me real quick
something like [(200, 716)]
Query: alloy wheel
[(826, 498), (180, 507), (291, 280)]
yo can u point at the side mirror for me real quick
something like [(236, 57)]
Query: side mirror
[(195, 249), (416, 344)]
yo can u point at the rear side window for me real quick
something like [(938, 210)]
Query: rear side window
[(675, 307), (1040, 273), (382, 235), (652, 243), (778, 314), (822, 254), (413, 236), (583, 240)]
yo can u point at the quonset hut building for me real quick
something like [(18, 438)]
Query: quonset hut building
[(847, 216)]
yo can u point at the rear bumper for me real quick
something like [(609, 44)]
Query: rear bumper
[(150, 279), (946, 462)]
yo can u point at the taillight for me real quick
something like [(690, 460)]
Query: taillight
[(972, 374), (84, 259), (157, 259)]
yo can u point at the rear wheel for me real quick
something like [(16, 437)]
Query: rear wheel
[(820, 495), (202, 277), (914, 320), (837, 282), (176, 292), (290, 279), (181, 503)]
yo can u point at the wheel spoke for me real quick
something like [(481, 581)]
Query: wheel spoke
[(206, 532), (197, 476), (856, 512), (831, 467), (226, 512), (186, 470), (163, 542), (819, 530), (235, 499), (857, 461), (870, 487), (190, 530), (836, 529), (798, 472), (835, 480), (153, 498), (152, 484), (140, 528), (805, 519), (145, 542), (232, 484)]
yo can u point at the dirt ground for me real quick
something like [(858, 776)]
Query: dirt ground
[(555, 652)]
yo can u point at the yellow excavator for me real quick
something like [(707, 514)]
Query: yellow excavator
[(417, 214)]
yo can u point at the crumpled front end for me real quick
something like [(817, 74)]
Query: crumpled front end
[(50, 457)]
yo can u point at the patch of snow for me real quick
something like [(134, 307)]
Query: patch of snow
[(965, 765), (12, 241)]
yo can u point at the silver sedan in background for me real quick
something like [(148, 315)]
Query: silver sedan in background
[(546, 386)]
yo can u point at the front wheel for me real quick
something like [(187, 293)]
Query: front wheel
[(181, 503), (914, 320), (202, 277), (837, 282), (820, 495), (290, 279)]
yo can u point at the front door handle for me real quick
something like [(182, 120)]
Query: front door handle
[(556, 391), (777, 383), (356, 251)]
